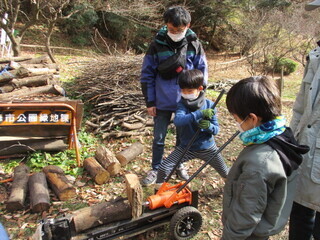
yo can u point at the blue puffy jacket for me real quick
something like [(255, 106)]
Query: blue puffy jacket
[(186, 123), (162, 93)]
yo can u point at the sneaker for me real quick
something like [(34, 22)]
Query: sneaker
[(150, 178), (182, 174)]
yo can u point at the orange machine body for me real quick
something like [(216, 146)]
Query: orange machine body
[(167, 196)]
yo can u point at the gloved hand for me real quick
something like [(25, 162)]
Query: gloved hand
[(204, 124), (207, 113)]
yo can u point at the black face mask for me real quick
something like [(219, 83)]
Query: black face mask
[(195, 104)]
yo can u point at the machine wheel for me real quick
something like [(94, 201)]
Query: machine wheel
[(185, 223)]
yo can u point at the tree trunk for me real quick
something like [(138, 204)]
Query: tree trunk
[(99, 174), (135, 194), (102, 213), (108, 161), (130, 153), (59, 183), (34, 81), (39, 194), (19, 188), (49, 33)]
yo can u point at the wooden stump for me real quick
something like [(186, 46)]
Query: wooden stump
[(19, 188), (108, 160), (101, 213), (99, 174), (39, 194), (59, 183), (135, 194), (130, 153)]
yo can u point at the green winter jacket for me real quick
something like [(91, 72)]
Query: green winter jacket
[(257, 196)]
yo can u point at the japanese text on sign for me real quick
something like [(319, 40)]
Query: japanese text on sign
[(20, 117)]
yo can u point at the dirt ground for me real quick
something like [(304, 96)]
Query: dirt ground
[(21, 224)]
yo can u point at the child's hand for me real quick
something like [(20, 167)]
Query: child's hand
[(207, 113), (204, 124)]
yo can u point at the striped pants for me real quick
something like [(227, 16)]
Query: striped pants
[(168, 164)]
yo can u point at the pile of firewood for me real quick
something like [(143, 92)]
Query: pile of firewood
[(23, 78), (112, 88), (104, 165)]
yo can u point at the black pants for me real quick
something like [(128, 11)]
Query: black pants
[(304, 223)]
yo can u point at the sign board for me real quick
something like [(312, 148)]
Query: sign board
[(35, 117)]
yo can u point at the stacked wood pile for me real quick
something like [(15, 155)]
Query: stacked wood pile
[(23, 78), (106, 164), (36, 185), (113, 90)]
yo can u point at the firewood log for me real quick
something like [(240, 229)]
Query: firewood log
[(108, 160), (135, 194), (54, 89), (99, 174), (19, 188), (32, 81), (39, 194), (41, 59), (15, 59), (59, 183), (130, 153), (102, 213)]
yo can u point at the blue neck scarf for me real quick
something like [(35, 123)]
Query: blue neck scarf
[(264, 132)]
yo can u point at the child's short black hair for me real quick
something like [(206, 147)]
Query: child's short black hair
[(177, 16), (258, 95), (189, 79)]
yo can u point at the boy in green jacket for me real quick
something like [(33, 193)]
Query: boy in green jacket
[(260, 185)]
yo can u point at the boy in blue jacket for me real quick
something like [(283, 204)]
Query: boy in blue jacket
[(161, 90), (194, 111)]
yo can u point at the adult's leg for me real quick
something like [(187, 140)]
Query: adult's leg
[(161, 122), (316, 228), (301, 222)]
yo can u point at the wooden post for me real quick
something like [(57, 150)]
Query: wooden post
[(59, 183), (135, 194), (101, 213), (130, 153), (108, 160), (39, 194), (99, 174), (19, 188)]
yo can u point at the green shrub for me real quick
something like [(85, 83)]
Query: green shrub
[(275, 64), (79, 26), (288, 66)]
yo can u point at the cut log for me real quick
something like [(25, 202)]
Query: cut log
[(132, 126), (54, 89), (32, 81), (41, 71), (7, 88), (19, 188), (102, 213), (39, 194), (108, 160), (59, 183), (41, 59), (99, 174), (130, 153), (15, 59), (50, 66), (135, 194)]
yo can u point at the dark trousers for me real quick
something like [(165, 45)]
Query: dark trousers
[(161, 123), (304, 223)]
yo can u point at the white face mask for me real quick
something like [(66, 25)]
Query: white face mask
[(191, 96), (239, 125), (178, 36)]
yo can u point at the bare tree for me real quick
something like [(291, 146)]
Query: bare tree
[(52, 13), (13, 9)]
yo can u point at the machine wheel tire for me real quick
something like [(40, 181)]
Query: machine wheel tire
[(185, 223)]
